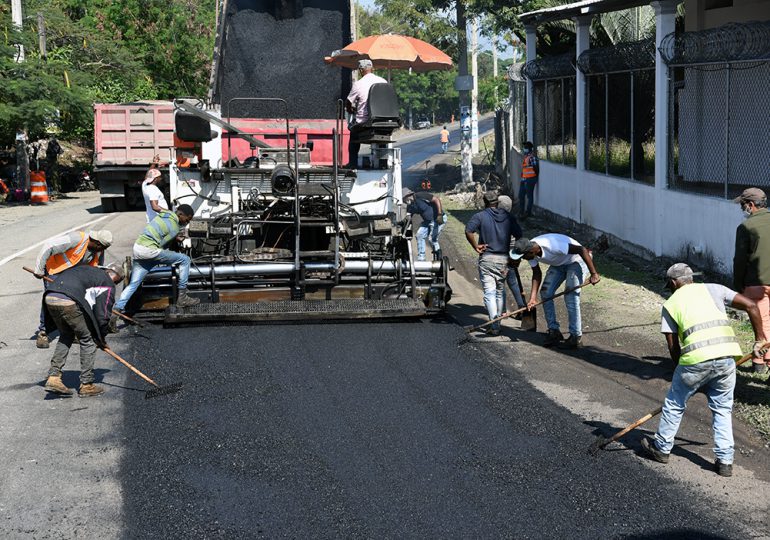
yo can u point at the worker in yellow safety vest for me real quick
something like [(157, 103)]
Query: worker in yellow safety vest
[(704, 348), (530, 171), (63, 252)]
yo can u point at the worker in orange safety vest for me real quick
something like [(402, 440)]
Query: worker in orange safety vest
[(530, 171), (63, 252)]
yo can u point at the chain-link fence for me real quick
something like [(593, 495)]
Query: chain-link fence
[(718, 109), (553, 81), (620, 116)]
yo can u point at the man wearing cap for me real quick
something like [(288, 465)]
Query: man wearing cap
[(154, 201), (356, 103), (428, 206), (79, 303), (568, 262), (63, 252), (505, 203), (704, 348), (495, 228), (149, 252), (751, 264)]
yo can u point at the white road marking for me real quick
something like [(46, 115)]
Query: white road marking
[(30, 248)]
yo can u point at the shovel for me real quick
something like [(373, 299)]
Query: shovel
[(154, 392), (114, 312), (602, 441)]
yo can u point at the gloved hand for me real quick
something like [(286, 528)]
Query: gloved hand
[(759, 350), (440, 219)]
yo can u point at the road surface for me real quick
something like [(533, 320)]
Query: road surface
[(324, 430)]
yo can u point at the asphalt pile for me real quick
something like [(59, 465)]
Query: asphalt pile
[(266, 57)]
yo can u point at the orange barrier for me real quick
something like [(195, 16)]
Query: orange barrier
[(38, 188)]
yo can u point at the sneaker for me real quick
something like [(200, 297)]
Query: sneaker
[(760, 367), (572, 342), (42, 341), (185, 300), (55, 385), (652, 451), (90, 390), (723, 469), (552, 338)]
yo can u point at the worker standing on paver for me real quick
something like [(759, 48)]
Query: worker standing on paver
[(149, 252), (64, 252), (568, 262), (495, 228), (444, 138), (78, 303), (154, 201), (751, 264), (704, 348), (428, 206), (357, 104)]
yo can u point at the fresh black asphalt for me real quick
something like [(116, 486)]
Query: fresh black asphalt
[(371, 430)]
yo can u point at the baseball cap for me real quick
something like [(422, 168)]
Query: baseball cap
[(490, 197), (104, 237), (680, 270), (151, 175), (520, 248), (753, 194), (504, 202), (406, 192), (364, 63)]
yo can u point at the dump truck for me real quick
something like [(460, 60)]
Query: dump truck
[(282, 231), (128, 137)]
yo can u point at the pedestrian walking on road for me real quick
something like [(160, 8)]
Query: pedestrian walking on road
[(495, 228), (78, 303), (704, 348), (530, 172), (444, 138), (751, 264), (428, 206), (568, 262), (63, 252), (149, 252), (357, 104), (154, 201)]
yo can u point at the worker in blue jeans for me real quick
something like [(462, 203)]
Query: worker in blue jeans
[(428, 206), (704, 348), (530, 172)]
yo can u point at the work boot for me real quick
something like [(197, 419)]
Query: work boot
[(42, 341), (552, 338), (90, 390), (55, 385), (572, 343), (185, 300), (723, 469), (652, 451), (760, 367)]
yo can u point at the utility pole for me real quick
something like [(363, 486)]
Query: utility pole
[(16, 18), (494, 65), (22, 159), (463, 85), (475, 92), (41, 35)]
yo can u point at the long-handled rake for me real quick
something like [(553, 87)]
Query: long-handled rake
[(601, 442), (154, 392)]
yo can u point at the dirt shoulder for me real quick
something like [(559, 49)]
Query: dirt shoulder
[(621, 318)]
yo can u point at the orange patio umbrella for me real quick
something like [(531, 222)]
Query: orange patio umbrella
[(391, 51)]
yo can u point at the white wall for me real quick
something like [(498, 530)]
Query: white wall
[(699, 18), (626, 210)]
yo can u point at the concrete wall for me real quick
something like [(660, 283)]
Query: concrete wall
[(702, 225), (697, 17)]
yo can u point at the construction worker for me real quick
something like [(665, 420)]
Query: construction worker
[(63, 252), (513, 278), (154, 201), (433, 219), (568, 262), (495, 228), (78, 303), (444, 138), (751, 264), (149, 252), (704, 348), (530, 171)]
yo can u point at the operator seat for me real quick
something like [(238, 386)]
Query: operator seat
[(382, 105)]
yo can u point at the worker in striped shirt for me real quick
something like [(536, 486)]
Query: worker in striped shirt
[(149, 252)]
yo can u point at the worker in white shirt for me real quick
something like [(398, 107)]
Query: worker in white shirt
[(154, 201)]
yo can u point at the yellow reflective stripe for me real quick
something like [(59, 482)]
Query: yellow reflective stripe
[(708, 343), (705, 325)]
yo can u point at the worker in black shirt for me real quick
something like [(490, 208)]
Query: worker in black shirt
[(433, 219)]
